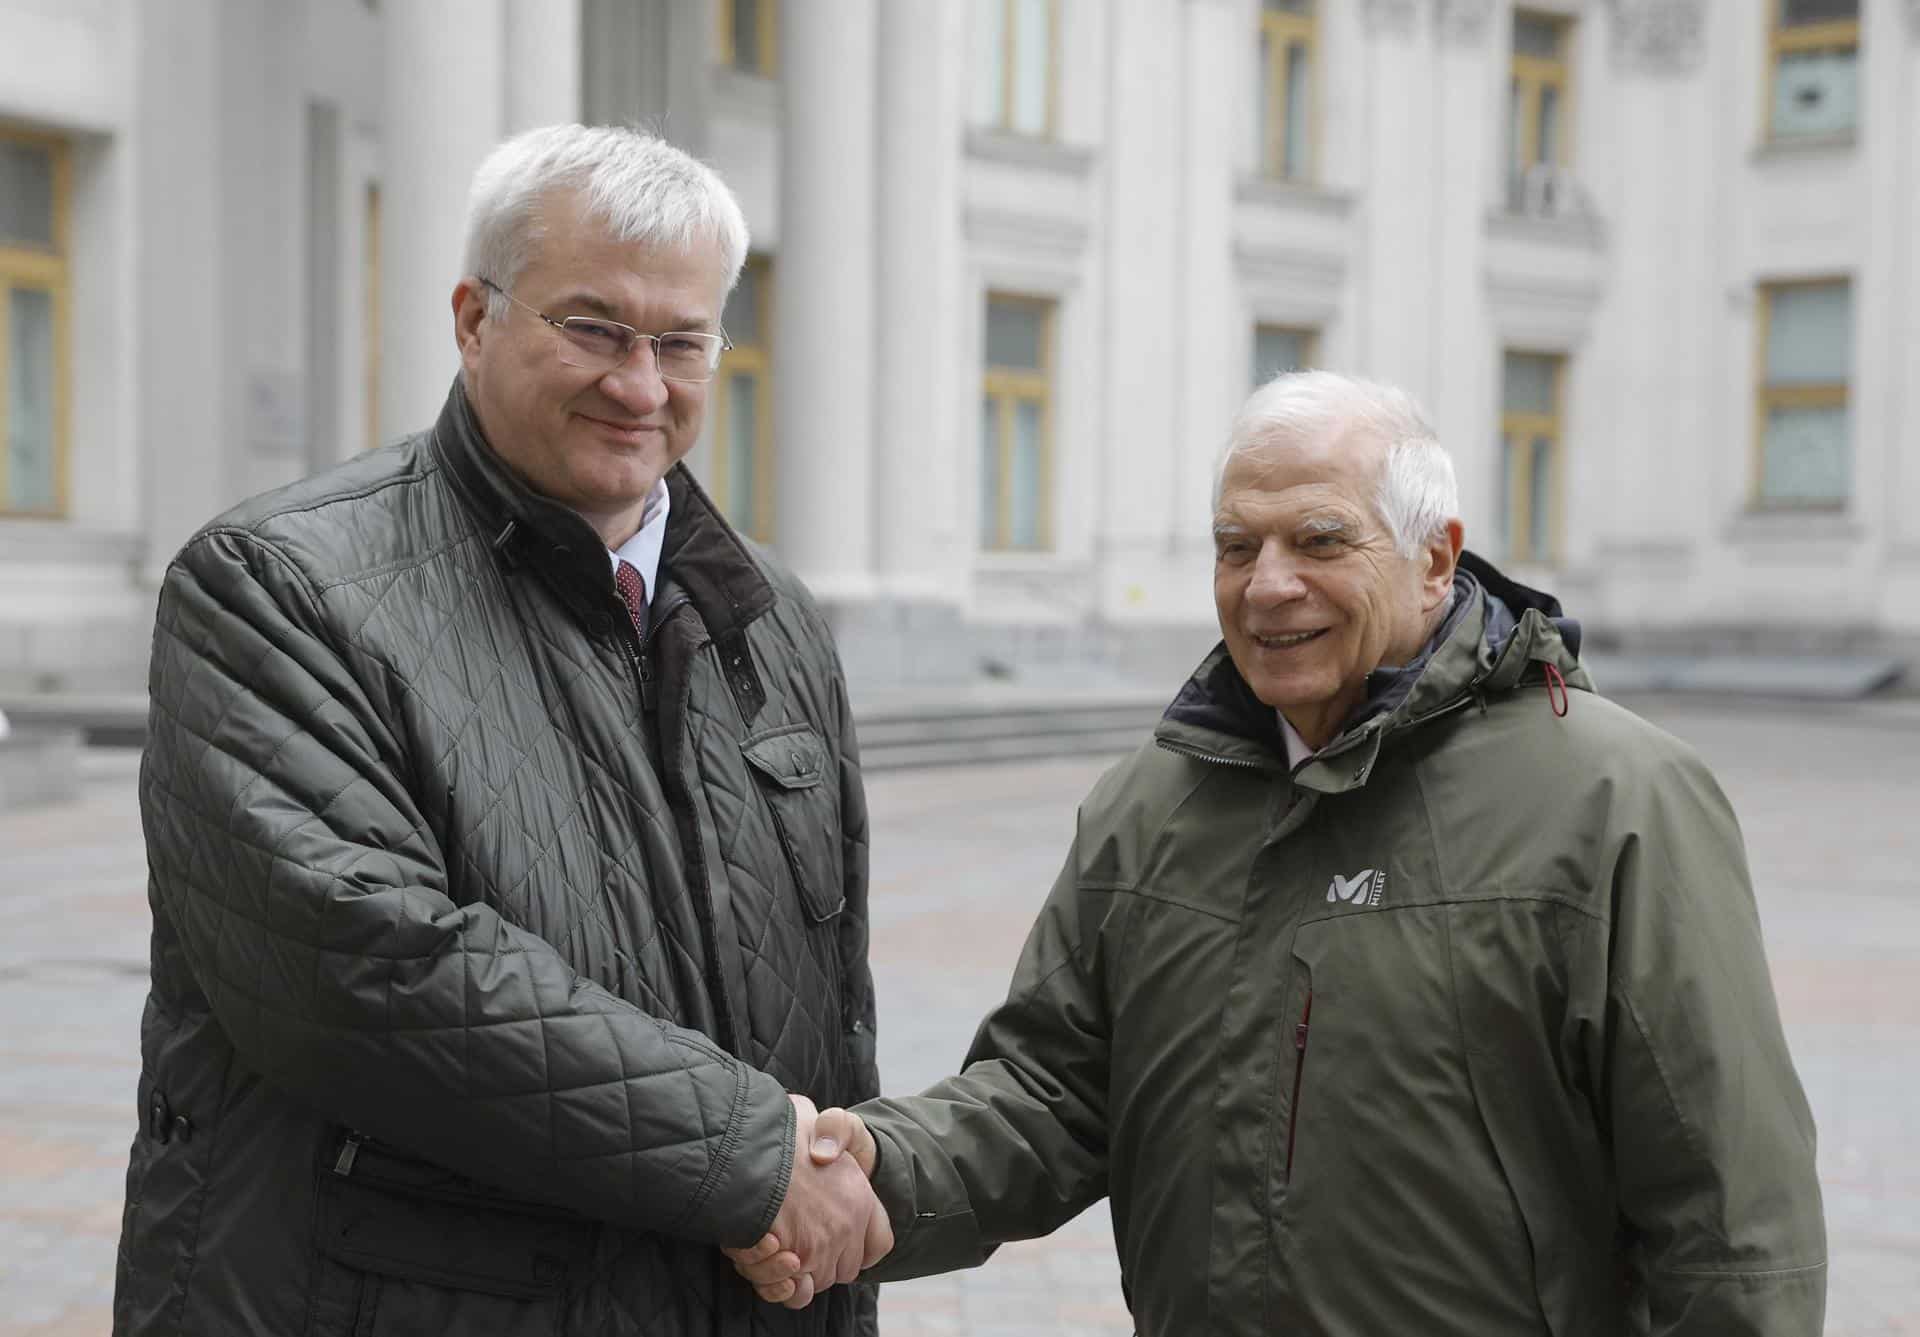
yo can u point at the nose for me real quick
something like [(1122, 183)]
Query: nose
[(1276, 577), (636, 384)]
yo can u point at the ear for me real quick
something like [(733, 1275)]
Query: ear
[(1443, 557), (469, 320)]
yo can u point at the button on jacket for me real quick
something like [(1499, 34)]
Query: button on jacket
[(487, 937)]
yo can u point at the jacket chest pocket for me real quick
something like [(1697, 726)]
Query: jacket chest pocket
[(792, 766), (411, 1249)]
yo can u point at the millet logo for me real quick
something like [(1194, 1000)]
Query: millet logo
[(1363, 888)]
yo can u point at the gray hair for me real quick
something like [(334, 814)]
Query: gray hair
[(1417, 493), (643, 188)]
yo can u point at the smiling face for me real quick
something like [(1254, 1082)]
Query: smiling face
[(1312, 593), (596, 443)]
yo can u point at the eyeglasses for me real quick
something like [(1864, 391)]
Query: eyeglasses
[(599, 345)]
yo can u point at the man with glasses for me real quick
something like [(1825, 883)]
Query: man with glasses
[(507, 840)]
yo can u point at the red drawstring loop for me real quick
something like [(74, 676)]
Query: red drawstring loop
[(1554, 680)]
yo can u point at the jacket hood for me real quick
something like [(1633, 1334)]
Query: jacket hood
[(1489, 642)]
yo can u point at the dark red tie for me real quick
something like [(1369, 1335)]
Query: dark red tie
[(633, 588)]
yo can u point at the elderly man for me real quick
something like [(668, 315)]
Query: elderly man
[(507, 840), (1401, 985)]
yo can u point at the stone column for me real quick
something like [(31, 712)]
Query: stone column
[(1212, 382), (1462, 390), (1141, 252), (919, 484), (543, 60), (1663, 430), (442, 89), (1397, 246), (183, 371), (823, 325)]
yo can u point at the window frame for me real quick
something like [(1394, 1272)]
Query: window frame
[(1308, 335), (1279, 30), (1767, 397), (1006, 388), (48, 270), (756, 359), (1524, 428), (1003, 120), (1784, 40), (766, 21), (1533, 75)]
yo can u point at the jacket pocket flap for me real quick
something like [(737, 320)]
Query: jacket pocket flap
[(455, 1245), (793, 758)]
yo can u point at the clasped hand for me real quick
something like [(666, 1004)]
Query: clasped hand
[(831, 1225)]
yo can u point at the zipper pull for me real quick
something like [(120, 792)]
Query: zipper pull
[(1300, 1027), (649, 695), (349, 1152)]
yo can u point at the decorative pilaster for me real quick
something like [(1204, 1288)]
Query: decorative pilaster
[(1659, 37)]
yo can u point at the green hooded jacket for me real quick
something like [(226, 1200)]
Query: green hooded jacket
[(1463, 1026)]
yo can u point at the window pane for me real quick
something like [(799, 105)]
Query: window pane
[(1546, 145), (1815, 92), (1031, 58), (1809, 334), (1530, 383), (30, 463), (1536, 35), (989, 59), (1014, 334), (989, 472), (1294, 162), (1805, 455), (746, 35), (1540, 501), (26, 194), (1276, 350), (1795, 12), (743, 432), (741, 319), (1024, 521)]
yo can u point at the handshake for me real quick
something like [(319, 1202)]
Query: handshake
[(831, 1225)]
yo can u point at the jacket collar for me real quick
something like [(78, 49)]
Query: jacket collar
[(1496, 630), (701, 554)]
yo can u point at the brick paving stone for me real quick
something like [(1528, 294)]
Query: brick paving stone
[(1828, 797)]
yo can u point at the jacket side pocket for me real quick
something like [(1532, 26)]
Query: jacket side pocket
[(408, 1248)]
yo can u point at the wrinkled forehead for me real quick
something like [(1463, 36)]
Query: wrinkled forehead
[(1346, 465)]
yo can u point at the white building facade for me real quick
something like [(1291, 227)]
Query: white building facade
[(1652, 265)]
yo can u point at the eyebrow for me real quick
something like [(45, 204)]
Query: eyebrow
[(1326, 524)]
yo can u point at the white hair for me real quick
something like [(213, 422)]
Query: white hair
[(643, 188), (1417, 493)]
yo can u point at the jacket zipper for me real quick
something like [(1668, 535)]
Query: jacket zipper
[(1183, 750), (1299, 1071)]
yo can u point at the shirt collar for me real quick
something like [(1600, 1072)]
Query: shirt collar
[(1297, 749), (642, 551)]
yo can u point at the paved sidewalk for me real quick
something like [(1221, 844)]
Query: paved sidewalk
[(1830, 798)]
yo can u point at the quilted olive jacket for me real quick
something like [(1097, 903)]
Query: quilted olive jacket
[(487, 938)]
